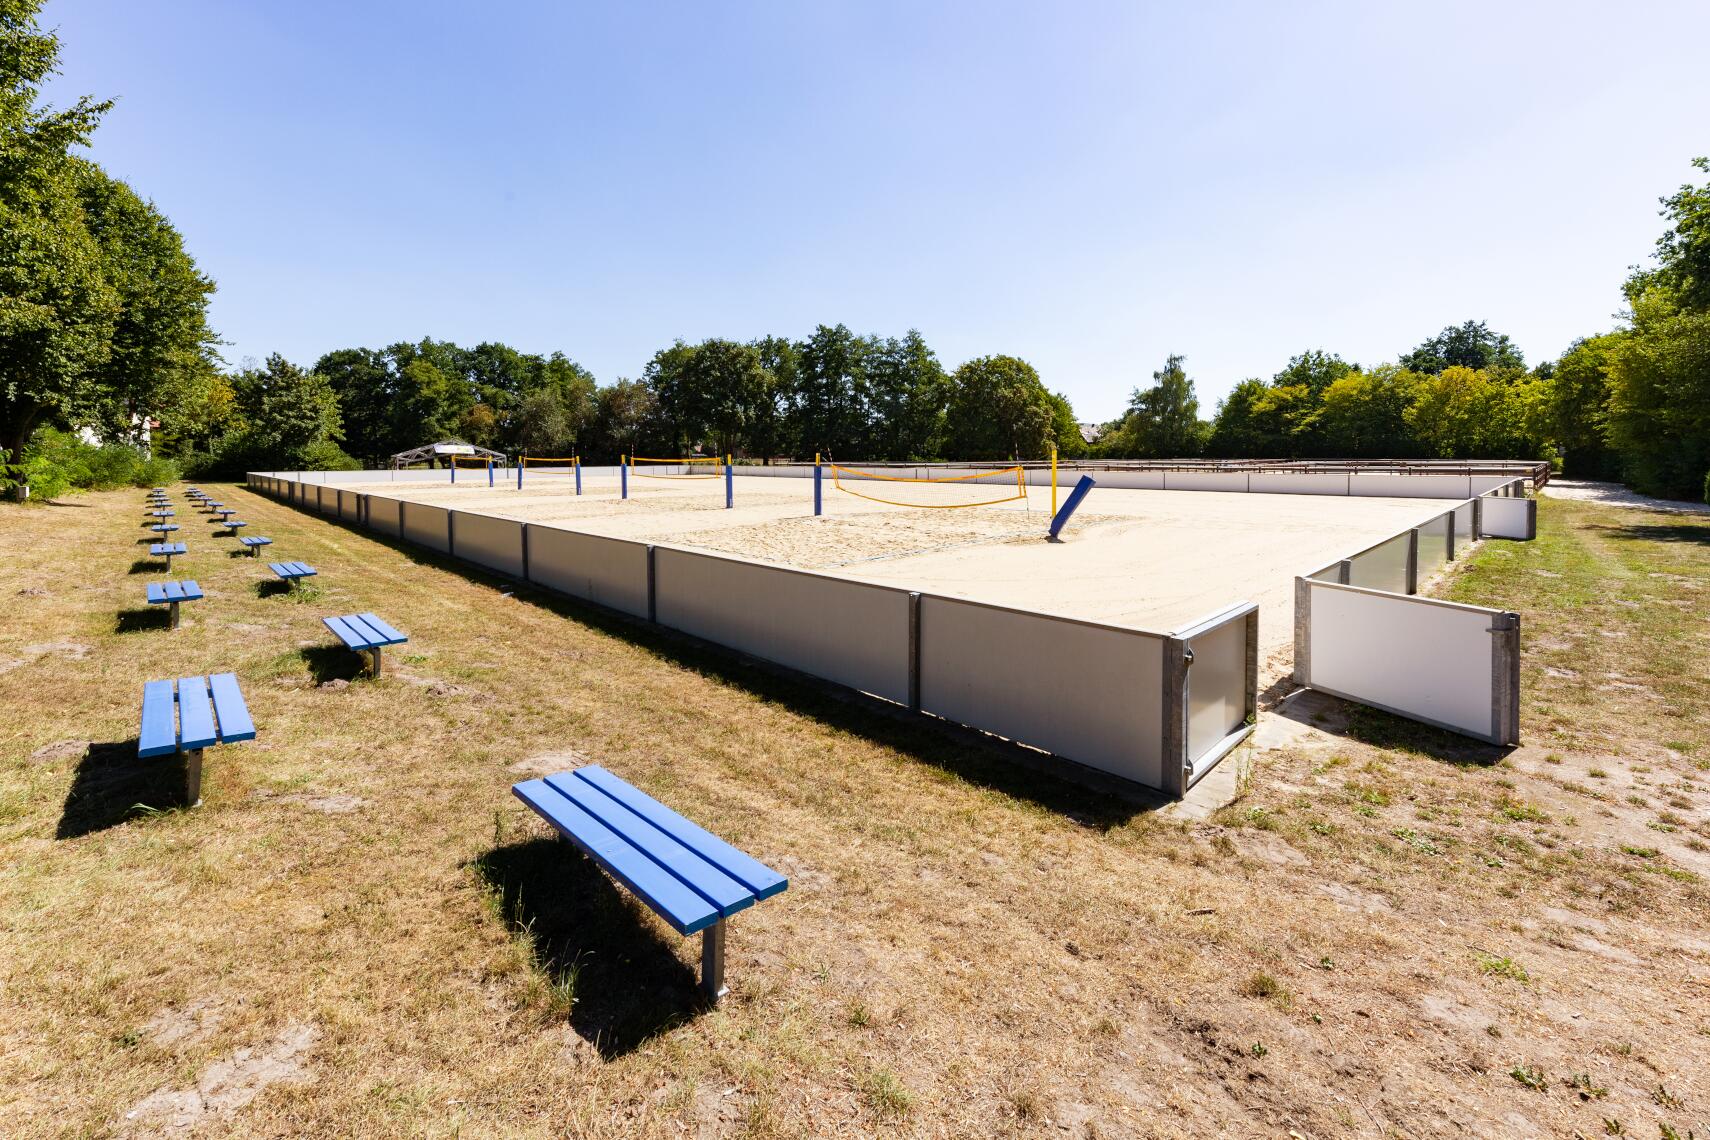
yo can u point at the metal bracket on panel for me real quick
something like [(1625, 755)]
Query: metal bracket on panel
[(1177, 769), (1413, 561), (451, 533), (1303, 631), (652, 591), (914, 651), (1505, 678), (1345, 571), (1478, 518), (524, 529)]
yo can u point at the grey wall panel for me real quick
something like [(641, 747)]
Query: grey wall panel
[(1218, 697), (1091, 693), (1430, 660), (350, 506), (1297, 483), (1411, 486), (1501, 517), (487, 541), (848, 632), (1204, 481), (426, 526), (609, 571), (383, 515)]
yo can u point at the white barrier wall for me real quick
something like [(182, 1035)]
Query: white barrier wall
[(1501, 517), (611, 572), (487, 541), (1089, 692), (1383, 567), (350, 506), (1372, 484), (1297, 483), (1454, 666), (385, 515), (1157, 709), (426, 526), (848, 632)]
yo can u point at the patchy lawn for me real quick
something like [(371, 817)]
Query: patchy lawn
[(361, 932)]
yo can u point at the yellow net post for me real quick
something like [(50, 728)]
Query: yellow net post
[(1053, 480)]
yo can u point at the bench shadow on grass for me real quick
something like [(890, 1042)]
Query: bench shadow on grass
[(137, 620), (148, 566), (620, 979), (332, 663), (1090, 798), (112, 786)]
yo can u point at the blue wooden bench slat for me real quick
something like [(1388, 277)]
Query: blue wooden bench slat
[(235, 722), (255, 540), (195, 715), (388, 635), (166, 548), (744, 868), (345, 634), (700, 876), (369, 635), (159, 735), (686, 911), (160, 593)]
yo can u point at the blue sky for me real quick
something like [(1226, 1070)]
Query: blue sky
[(1090, 186)]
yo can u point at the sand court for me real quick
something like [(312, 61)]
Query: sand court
[(1136, 558)]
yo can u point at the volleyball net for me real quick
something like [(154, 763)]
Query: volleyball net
[(683, 467), (548, 465), (979, 488), (477, 462)]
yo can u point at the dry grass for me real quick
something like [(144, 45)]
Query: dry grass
[(361, 932)]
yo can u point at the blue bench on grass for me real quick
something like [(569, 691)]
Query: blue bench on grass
[(166, 550), (690, 877), (232, 525), (170, 593), (291, 572), (189, 715), (365, 633), (255, 542), (163, 513), (224, 512), (214, 507), (164, 528)]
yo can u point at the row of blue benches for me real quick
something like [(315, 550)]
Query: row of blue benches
[(691, 878)]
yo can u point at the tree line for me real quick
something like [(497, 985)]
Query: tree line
[(104, 334)]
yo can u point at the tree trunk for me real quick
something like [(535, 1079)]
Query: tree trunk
[(14, 433)]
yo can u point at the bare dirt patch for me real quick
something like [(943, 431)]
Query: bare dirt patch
[(225, 1087)]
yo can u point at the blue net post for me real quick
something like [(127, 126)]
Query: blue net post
[(729, 485), (818, 491), (454, 469), (623, 477), (576, 465), (1061, 518), (489, 472), (521, 463)]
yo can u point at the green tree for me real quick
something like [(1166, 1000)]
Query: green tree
[(1578, 407), (1314, 369), (1683, 251), (775, 429), (1471, 345), (367, 387), (626, 419), (908, 392), (290, 418), (1471, 413), (1163, 420), (1363, 415), (830, 397), (1659, 397), (999, 410)]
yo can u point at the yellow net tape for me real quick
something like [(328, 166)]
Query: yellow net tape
[(477, 461), (1020, 486), (527, 459), (686, 461)]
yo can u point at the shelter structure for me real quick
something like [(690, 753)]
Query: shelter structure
[(446, 452)]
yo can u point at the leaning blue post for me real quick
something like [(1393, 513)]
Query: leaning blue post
[(729, 486), (623, 476), (1074, 500), (818, 495), (576, 465)]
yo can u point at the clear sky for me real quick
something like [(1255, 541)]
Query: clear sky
[(1090, 186)]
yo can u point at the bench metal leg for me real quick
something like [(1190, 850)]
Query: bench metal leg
[(193, 778), (172, 615), (712, 961), (374, 662)]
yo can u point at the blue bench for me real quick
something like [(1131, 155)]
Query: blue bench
[(291, 572), (691, 878), (166, 550), (232, 525), (365, 633), (255, 542), (163, 513), (189, 715), (170, 593), (164, 528)]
